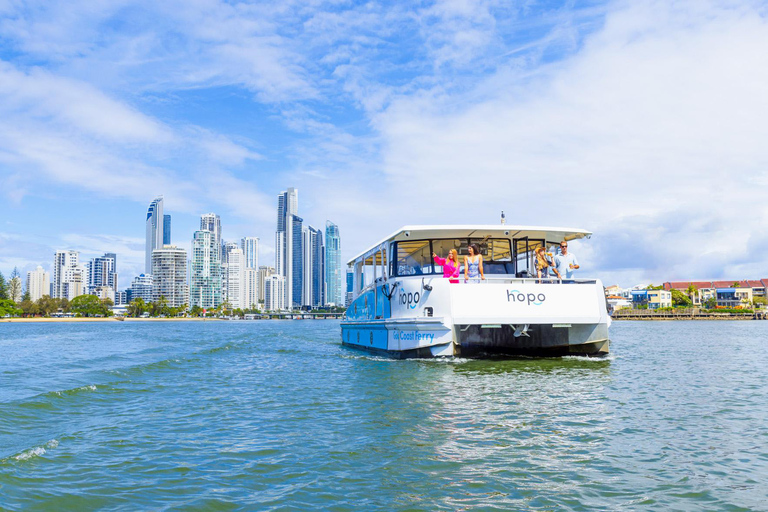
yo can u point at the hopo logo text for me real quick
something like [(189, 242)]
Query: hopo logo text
[(529, 298), (410, 299)]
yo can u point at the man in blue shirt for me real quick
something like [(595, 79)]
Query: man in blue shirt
[(566, 262)]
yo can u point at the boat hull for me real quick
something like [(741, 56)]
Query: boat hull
[(511, 317)]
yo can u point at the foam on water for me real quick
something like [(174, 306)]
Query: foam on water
[(37, 451), (71, 392)]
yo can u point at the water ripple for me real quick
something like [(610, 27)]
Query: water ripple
[(279, 416)]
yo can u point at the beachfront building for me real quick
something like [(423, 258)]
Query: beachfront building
[(653, 299), (154, 231), (274, 293), (102, 273), (333, 273), (169, 275), (264, 274), (205, 279), (69, 277), (616, 302), (233, 276), (250, 247), (103, 292), (38, 283), (251, 288), (141, 288), (732, 297)]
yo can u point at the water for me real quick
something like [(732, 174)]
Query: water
[(276, 415)]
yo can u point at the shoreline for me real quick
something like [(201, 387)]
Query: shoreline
[(675, 318), (106, 319)]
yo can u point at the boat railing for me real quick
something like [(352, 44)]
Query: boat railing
[(529, 280), (510, 279)]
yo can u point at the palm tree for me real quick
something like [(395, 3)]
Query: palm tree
[(691, 291)]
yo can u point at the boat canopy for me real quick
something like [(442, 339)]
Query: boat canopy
[(553, 234)]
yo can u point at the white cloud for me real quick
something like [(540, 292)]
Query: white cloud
[(54, 100), (661, 113), (643, 122)]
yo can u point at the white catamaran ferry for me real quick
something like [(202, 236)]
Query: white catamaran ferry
[(402, 305)]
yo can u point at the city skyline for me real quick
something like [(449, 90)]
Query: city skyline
[(609, 116), (212, 273)]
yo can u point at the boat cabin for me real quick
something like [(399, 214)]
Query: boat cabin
[(508, 251)]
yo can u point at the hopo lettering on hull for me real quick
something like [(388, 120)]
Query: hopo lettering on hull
[(410, 299), (529, 298)]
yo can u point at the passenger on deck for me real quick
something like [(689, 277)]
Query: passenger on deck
[(565, 262), (543, 264), (473, 264), (450, 265)]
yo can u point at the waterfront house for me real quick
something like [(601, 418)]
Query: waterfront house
[(653, 299)]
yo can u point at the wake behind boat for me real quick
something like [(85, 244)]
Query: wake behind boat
[(403, 306)]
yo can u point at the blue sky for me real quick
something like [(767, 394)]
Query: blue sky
[(643, 122)]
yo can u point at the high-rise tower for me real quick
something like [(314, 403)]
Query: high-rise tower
[(155, 221), (333, 274), (287, 208), (212, 222), (166, 230)]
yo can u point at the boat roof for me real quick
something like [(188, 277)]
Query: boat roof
[(548, 233)]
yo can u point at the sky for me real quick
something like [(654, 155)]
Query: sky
[(642, 122)]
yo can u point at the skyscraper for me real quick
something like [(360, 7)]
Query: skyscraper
[(155, 221), (102, 272), (169, 275), (250, 247), (233, 276), (314, 279), (205, 280), (211, 222), (294, 282), (287, 207), (333, 274), (166, 230)]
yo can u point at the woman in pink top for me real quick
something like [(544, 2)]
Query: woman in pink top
[(450, 265)]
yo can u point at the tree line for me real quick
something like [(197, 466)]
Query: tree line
[(92, 306)]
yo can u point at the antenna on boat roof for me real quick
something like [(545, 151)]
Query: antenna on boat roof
[(503, 218)]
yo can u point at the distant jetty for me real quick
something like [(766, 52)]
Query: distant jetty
[(685, 314)]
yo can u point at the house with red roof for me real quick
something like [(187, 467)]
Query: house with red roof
[(729, 294)]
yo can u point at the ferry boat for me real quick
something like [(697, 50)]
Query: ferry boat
[(404, 307)]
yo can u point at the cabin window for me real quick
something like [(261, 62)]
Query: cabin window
[(413, 258), (373, 268), (497, 255), (441, 248), (495, 249)]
